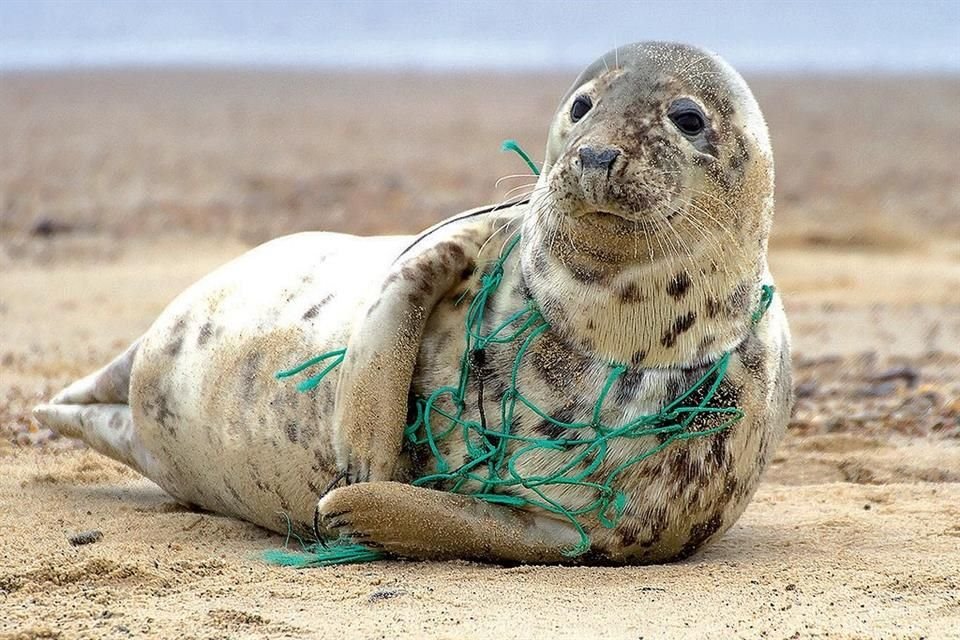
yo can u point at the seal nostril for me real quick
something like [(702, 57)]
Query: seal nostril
[(601, 159)]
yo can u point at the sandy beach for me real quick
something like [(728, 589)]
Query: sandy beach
[(120, 188)]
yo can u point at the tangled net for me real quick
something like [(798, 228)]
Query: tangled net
[(492, 464)]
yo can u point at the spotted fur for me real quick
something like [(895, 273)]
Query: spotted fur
[(655, 264)]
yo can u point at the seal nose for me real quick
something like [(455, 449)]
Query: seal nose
[(602, 159)]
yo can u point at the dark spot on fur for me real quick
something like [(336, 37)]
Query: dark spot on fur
[(656, 519), (678, 285), (157, 406), (727, 395), (638, 357), (249, 373), (315, 489), (424, 286), (680, 325), (291, 432), (713, 307), (718, 447), (628, 537), (451, 249), (739, 299), (567, 415), (165, 416), (731, 487), (468, 270), (557, 362), (313, 311), (630, 293), (478, 361), (753, 355), (175, 344), (206, 332), (682, 469), (551, 430), (700, 533), (591, 325), (522, 290), (740, 156), (627, 385), (586, 274)]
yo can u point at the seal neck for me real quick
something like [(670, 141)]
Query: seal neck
[(636, 308)]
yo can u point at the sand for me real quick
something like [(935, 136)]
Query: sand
[(118, 189)]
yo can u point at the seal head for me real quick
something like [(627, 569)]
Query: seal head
[(657, 190)]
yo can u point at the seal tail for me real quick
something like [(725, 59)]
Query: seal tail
[(94, 409)]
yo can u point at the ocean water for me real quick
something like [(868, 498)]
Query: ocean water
[(812, 35)]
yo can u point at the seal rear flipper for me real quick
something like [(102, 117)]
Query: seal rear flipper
[(94, 409), (107, 428), (111, 384)]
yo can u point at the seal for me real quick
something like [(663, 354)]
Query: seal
[(643, 243)]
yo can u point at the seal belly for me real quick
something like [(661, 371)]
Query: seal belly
[(224, 433)]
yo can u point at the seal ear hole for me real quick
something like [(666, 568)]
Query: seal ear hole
[(580, 107)]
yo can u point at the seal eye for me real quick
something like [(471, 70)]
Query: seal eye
[(689, 121), (580, 107)]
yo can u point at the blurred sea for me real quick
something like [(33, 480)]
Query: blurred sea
[(758, 35)]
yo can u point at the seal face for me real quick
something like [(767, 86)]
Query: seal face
[(659, 196), (643, 246)]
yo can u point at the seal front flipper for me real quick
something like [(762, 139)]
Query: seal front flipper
[(374, 384), (427, 524)]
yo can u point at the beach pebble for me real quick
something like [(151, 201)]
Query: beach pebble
[(86, 537)]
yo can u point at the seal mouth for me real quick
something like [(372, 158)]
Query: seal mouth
[(606, 214)]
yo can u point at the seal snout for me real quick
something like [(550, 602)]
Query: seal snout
[(597, 158), (596, 165)]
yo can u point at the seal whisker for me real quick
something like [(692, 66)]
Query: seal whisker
[(509, 194), (688, 256), (715, 248), (513, 176), (715, 245), (733, 248), (494, 234)]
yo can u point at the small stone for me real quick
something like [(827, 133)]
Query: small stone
[(384, 594), (910, 375), (86, 537), (46, 227)]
